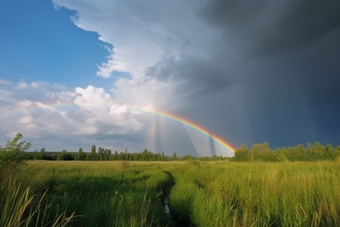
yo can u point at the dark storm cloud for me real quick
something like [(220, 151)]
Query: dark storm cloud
[(271, 26), (259, 33), (196, 75), (285, 54), (293, 36)]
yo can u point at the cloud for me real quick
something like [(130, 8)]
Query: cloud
[(148, 40), (193, 75), (50, 114), (5, 82), (56, 117), (66, 119), (110, 116), (128, 52), (269, 27), (286, 55), (107, 68), (21, 85)]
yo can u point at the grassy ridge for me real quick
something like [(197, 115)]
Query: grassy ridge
[(203, 193)]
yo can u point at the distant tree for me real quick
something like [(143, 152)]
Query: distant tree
[(33, 155), (144, 155), (174, 156), (93, 149), (158, 157), (115, 156), (42, 154), (81, 155), (280, 157), (336, 153), (319, 151), (107, 154), (54, 156), (121, 156), (64, 155), (37, 155), (204, 158), (297, 153), (332, 153), (185, 157), (93, 152), (101, 153), (242, 154), (258, 151)]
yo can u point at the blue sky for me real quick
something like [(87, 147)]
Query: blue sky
[(39, 42), (77, 73)]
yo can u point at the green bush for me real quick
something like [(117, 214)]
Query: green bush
[(12, 156)]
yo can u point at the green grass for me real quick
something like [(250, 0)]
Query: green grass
[(257, 194), (102, 193), (200, 193), (22, 208)]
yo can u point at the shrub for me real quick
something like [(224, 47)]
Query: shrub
[(13, 156)]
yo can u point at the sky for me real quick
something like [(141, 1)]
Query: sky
[(173, 76)]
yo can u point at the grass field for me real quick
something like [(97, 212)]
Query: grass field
[(257, 194), (199, 193)]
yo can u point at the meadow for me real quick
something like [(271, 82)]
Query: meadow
[(197, 193)]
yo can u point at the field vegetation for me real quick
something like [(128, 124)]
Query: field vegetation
[(190, 192), (257, 194)]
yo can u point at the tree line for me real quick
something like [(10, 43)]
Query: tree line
[(258, 152), (262, 152), (102, 154)]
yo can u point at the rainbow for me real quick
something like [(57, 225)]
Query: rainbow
[(195, 127), (166, 115)]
